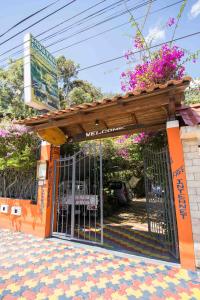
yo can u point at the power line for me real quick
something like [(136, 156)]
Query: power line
[(139, 51), (135, 52), (28, 17), (97, 24), (66, 20), (21, 44), (89, 17), (115, 27), (37, 22)]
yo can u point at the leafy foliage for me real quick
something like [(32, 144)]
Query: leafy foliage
[(11, 92), (192, 94), (83, 92), (18, 147), (160, 65), (71, 90)]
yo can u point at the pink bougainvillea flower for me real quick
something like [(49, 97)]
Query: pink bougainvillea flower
[(123, 74), (138, 42), (165, 65), (4, 133), (123, 153), (128, 54), (171, 21), (141, 137)]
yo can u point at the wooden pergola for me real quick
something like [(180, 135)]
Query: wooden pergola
[(142, 110)]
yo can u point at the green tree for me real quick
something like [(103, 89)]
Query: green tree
[(72, 90), (11, 92), (67, 72), (192, 93), (83, 91), (12, 88)]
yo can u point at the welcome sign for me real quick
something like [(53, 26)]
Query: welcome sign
[(40, 76), (116, 131)]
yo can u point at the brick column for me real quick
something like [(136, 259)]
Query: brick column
[(190, 136), (186, 243)]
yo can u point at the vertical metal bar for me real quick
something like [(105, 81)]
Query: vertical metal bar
[(73, 194), (68, 193), (95, 192), (101, 190), (169, 219), (89, 190), (79, 207), (54, 197), (175, 235), (64, 194), (146, 180), (84, 180), (166, 202), (59, 195)]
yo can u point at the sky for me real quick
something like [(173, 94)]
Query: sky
[(109, 45)]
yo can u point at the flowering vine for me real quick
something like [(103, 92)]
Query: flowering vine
[(158, 66)]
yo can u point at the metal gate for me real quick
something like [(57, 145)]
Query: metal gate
[(160, 199), (78, 195)]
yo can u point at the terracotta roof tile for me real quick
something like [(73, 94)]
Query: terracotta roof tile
[(190, 114), (104, 101)]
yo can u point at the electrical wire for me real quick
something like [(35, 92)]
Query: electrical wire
[(49, 29), (97, 24), (70, 26), (115, 27), (85, 29), (135, 52), (37, 22), (155, 11), (89, 17), (140, 51), (28, 17)]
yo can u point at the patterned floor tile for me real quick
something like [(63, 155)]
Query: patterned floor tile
[(33, 268)]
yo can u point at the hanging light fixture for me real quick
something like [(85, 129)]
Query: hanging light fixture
[(97, 122)]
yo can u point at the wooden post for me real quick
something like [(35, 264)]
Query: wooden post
[(184, 225)]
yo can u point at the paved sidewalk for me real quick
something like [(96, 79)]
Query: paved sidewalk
[(33, 268)]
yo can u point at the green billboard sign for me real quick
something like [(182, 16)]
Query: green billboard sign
[(40, 76)]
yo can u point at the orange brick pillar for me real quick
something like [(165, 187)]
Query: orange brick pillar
[(184, 225), (45, 192)]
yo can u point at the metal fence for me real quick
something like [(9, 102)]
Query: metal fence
[(18, 184), (159, 197), (79, 202)]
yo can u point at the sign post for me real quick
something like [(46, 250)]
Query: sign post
[(40, 76)]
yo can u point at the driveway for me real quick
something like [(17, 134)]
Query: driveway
[(33, 268)]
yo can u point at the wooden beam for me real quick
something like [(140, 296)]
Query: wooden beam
[(171, 108), (105, 113), (81, 127), (128, 130), (178, 89), (105, 124), (134, 118)]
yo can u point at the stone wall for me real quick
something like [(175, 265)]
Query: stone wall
[(191, 142)]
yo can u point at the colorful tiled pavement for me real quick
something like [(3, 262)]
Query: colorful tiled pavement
[(33, 268)]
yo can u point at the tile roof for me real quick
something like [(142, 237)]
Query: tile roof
[(154, 88), (190, 114)]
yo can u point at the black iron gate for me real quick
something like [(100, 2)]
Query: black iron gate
[(159, 197), (78, 195)]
